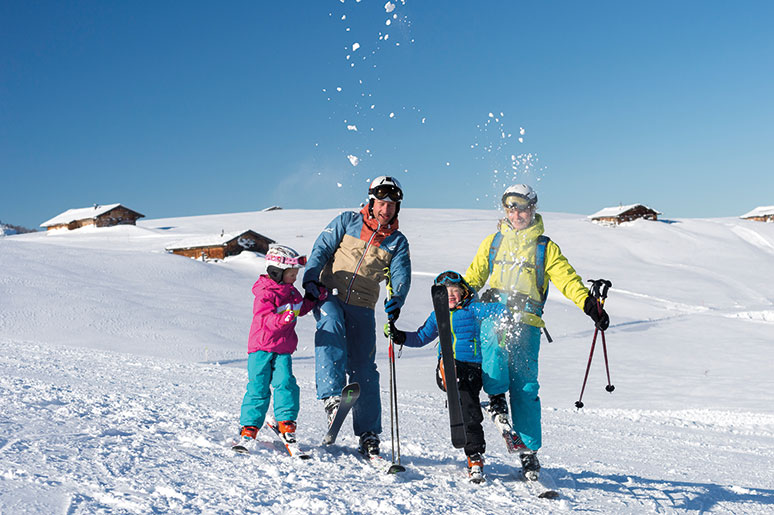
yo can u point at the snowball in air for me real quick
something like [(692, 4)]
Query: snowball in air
[(354, 160)]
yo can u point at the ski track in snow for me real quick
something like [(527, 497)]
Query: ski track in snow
[(111, 432)]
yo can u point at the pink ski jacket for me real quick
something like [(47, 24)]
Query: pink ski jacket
[(272, 301)]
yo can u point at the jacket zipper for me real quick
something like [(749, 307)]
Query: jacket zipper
[(357, 268)]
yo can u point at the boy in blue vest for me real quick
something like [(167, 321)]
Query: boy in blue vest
[(476, 328)]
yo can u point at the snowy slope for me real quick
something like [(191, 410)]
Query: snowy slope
[(123, 367)]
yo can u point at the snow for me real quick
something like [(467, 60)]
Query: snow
[(122, 370)]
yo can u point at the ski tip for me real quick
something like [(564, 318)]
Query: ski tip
[(239, 449), (549, 494)]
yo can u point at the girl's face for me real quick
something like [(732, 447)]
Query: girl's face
[(289, 275), (455, 295)]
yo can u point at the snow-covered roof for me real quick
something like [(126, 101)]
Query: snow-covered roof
[(759, 211), (214, 240), (81, 213), (618, 210)]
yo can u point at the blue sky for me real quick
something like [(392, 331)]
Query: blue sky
[(185, 108)]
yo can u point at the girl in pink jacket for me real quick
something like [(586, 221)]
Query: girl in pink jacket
[(272, 341)]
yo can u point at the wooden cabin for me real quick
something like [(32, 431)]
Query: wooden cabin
[(620, 214), (97, 215), (218, 247), (760, 214)]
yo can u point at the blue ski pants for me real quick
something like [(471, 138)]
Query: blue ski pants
[(345, 345), (523, 346), (265, 369)]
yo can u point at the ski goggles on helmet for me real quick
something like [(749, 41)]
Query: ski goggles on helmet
[(515, 201), (449, 277), (285, 260), (387, 192)]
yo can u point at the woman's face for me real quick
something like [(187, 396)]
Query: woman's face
[(520, 219)]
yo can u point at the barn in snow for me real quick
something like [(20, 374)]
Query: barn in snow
[(760, 214), (218, 247), (97, 215), (619, 214)]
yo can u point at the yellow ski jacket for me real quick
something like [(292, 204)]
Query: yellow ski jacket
[(514, 268)]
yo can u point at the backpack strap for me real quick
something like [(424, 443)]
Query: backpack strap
[(540, 265), (493, 247)]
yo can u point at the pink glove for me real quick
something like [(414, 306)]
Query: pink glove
[(287, 318), (323, 293)]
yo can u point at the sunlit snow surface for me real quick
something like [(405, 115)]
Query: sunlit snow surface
[(122, 370)]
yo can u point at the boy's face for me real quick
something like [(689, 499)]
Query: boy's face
[(289, 275), (455, 295)]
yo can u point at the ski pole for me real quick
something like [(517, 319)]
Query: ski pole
[(394, 431), (599, 288)]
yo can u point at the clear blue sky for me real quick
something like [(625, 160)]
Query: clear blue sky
[(185, 108)]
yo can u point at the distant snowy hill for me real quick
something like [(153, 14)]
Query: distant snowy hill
[(123, 367)]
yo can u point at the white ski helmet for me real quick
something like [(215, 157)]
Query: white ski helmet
[(520, 196), (385, 188), (282, 257)]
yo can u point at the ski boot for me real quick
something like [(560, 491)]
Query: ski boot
[(530, 465), (246, 439), (369, 444), (476, 468), (331, 407), (498, 409), (287, 429)]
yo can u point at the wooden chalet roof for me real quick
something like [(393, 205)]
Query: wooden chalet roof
[(83, 213), (759, 211), (218, 240), (610, 212)]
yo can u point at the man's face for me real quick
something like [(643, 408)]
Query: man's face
[(384, 211), (520, 219)]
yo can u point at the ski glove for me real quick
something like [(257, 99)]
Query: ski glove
[(599, 316), (312, 290), (398, 336), (392, 309), (287, 318)]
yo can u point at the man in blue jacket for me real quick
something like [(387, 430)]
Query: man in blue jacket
[(350, 256)]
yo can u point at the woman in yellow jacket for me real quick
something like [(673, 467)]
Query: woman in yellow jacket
[(516, 260)]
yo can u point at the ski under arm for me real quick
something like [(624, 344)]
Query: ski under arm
[(478, 271)]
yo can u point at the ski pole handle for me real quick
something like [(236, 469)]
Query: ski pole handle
[(599, 288)]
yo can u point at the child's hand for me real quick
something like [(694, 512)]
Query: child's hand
[(398, 336), (287, 318)]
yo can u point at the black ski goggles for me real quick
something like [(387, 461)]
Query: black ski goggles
[(387, 192), (448, 277)]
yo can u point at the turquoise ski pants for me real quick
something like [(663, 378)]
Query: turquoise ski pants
[(523, 346), (265, 369)]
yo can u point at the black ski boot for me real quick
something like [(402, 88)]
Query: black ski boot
[(369, 444), (498, 408), (530, 465)]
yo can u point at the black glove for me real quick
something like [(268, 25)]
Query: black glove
[(601, 319), (312, 290), (398, 336)]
